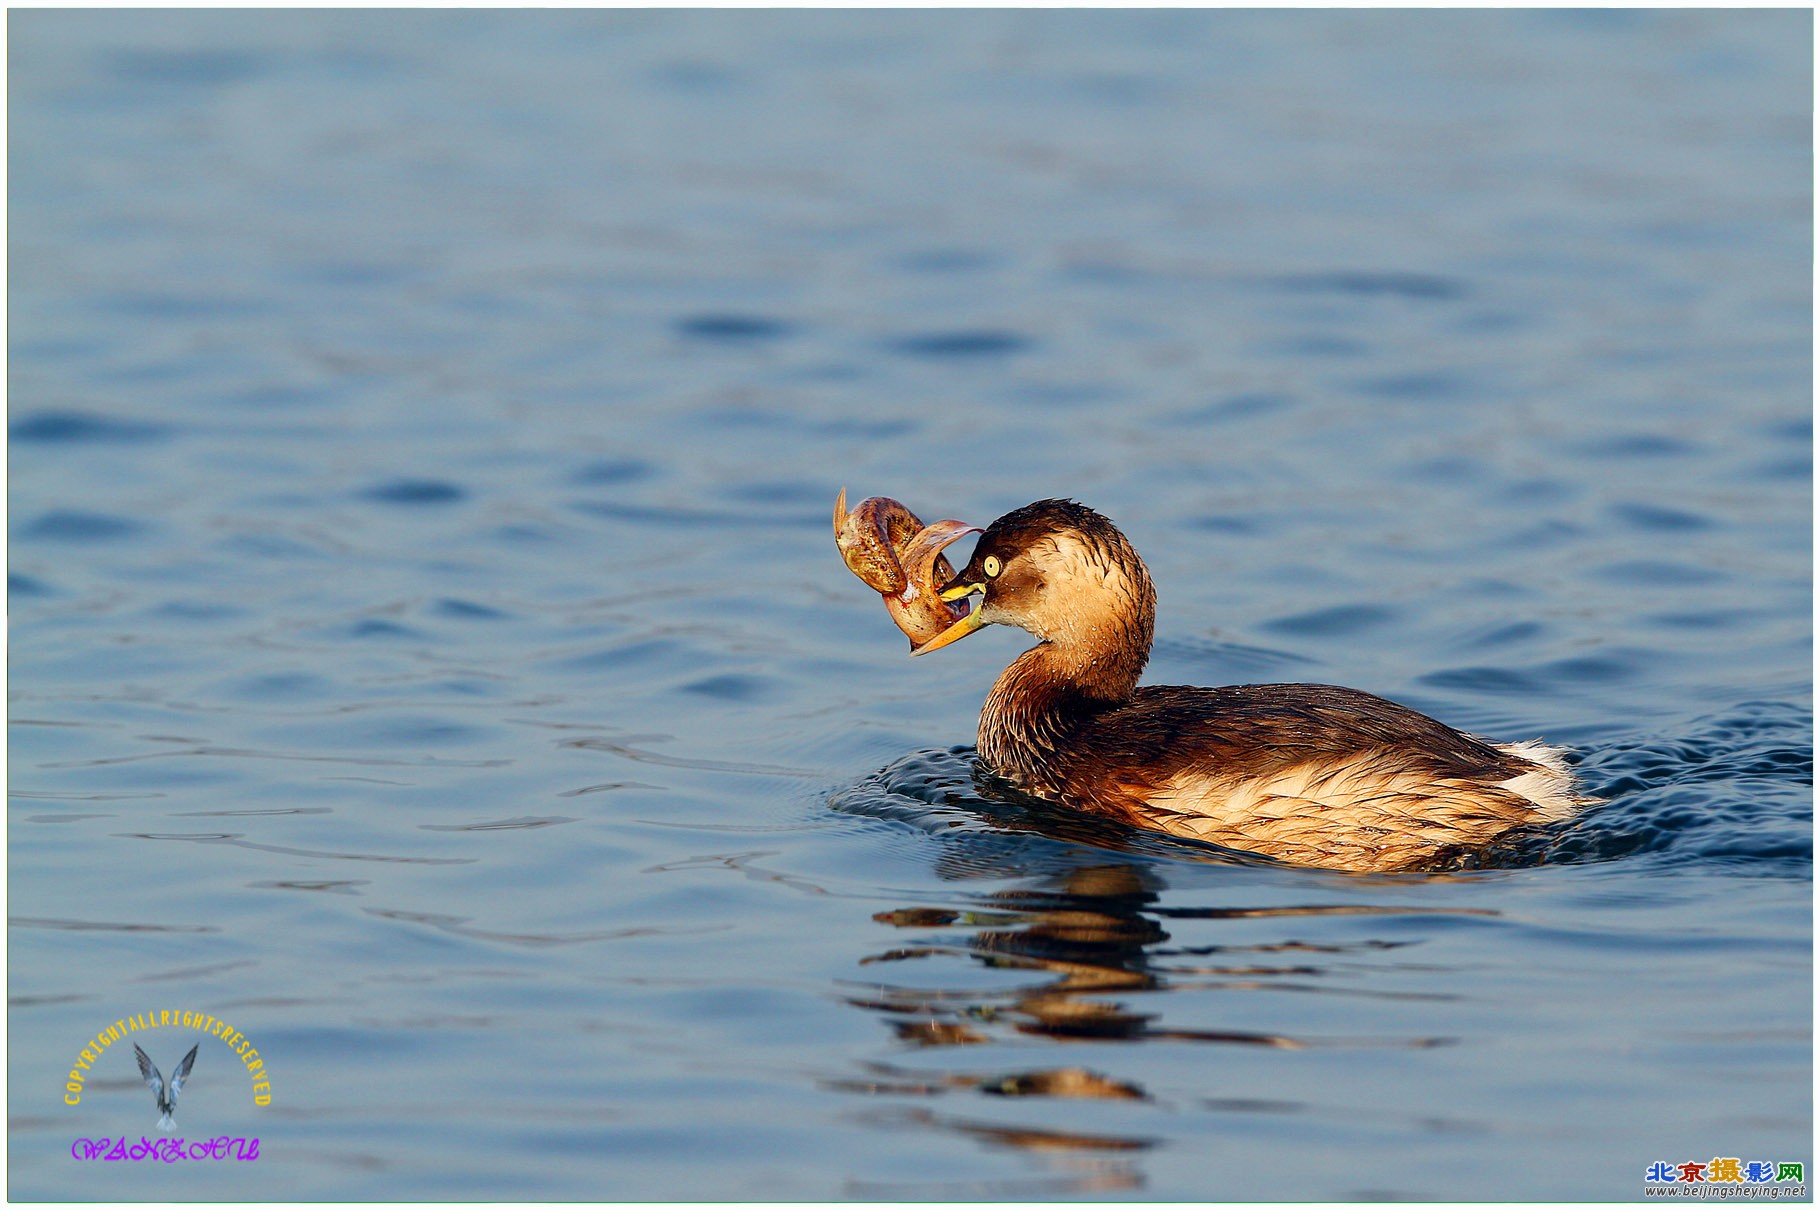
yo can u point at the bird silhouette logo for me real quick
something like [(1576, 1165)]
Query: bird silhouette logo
[(154, 1079)]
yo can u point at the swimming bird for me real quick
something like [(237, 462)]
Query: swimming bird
[(1317, 775), (167, 1102)]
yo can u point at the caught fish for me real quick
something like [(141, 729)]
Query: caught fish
[(889, 548)]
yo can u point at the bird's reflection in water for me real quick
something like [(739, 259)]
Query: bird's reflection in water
[(1076, 1163), (1095, 939), (1082, 943), (1090, 935)]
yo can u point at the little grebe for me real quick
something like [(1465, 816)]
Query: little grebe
[(1312, 774)]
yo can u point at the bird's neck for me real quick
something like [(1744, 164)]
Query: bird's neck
[(1056, 687)]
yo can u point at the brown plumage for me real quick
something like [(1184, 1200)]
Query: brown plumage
[(1313, 774)]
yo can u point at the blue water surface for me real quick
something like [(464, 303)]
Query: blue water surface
[(430, 659)]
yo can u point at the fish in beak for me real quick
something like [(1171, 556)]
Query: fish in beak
[(896, 555)]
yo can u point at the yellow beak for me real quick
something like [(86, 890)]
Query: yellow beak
[(960, 629)]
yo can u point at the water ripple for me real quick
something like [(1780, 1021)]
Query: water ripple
[(965, 344), (459, 926), (1421, 287), (415, 492), (644, 756), (234, 839), (82, 428), (77, 526), (727, 328), (106, 926)]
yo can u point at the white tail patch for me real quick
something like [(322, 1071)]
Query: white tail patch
[(1550, 786)]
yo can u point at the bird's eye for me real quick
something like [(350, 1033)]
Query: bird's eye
[(991, 566)]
